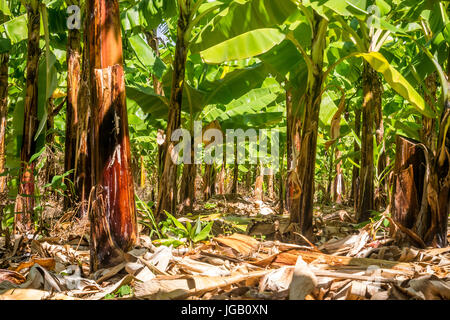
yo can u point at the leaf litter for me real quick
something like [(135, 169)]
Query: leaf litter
[(254, 253)]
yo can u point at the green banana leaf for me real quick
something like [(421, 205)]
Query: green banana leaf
[(397, 82)]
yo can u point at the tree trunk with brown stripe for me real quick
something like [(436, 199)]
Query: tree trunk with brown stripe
[(113, 214), (25, 199), (4, 57)]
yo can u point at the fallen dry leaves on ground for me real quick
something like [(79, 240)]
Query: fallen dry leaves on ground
[(343, 264)]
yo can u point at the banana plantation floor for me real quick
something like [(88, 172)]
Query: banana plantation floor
[(253, 253)]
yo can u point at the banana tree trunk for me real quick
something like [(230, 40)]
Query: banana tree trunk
[(329, 191), (50, 167), (355, 171), (113, 214), (381, 192), (338, 182), (142, 175), (439, 184), (208, 182), (72, 111), (25, 200), (293, 149), (187, 188), (259, 191), (372, 99), (153, 41), (221, 187), (83, 179), (301, 209), (3, 116), (428, 132), (248, 178), (167, 196), (281, 184), (408, 183), (270, 184), (234, 186)]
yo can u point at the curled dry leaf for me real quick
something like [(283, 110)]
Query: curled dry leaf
[(47, 263), (242, 244), (11, 276), (32, 294), (303, 281)]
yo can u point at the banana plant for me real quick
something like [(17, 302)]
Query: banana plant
[(432, 42), (4, 58), (25, 198), (197, 99)]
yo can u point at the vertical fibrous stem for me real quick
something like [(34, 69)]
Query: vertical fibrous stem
[(25, 201), (357, 149), (293, 149), (301, 208), (379, 134), (428, 131), (372, 98), (234, 186), (167, 196), (209, 179), (187, 188), (153, 41), (439, 189), (4, 57), (72, 109), (113, 214)]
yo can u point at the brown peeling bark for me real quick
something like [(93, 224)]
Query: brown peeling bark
[(408, 183), (3, 116), (25, 200), (113, 214)]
